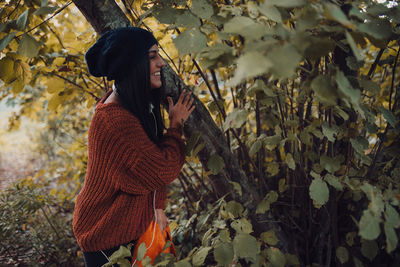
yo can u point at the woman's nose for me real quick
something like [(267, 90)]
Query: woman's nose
[(161, 62)]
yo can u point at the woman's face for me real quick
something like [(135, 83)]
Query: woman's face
[(156, 63)]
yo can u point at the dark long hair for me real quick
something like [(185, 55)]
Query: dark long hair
[(135, 94)]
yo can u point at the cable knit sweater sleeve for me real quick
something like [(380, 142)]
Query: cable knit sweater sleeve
[(150, 167)]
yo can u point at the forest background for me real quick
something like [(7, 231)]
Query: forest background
[(293, 149)]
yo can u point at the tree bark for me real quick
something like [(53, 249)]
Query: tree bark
[(104, 15)]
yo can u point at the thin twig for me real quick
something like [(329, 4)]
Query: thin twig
[(45, 21)]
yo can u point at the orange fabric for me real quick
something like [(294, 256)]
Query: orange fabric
[(155, 248)]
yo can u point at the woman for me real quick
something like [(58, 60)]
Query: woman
[(130, 160)]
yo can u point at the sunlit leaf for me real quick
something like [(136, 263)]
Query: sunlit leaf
[(190, 41), (270, 11), (287, 3), (249, 65), (202, 8)]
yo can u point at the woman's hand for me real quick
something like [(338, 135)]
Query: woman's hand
[(162, 219), (179, 112)]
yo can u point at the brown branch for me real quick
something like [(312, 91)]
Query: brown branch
[(77, 85), (373, 66), (393, 77)]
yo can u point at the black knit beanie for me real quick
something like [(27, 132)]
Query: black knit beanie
[(116, 51)]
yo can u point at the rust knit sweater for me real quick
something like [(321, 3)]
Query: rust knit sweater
[(124, 169)]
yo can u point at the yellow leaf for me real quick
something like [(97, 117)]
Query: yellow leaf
[(173, 225), (7, 70), (53, 191), (54, 102), (55, 85)]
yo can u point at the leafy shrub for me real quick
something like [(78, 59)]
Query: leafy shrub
[(36, 228)]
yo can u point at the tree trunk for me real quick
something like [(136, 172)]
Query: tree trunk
[(104, 15)]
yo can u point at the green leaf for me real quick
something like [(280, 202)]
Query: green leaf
[(120, 254), (242, 226), (264, 204), (370, 86), (245, 26), (200, 256), (141, 251), (284, 59), (190, 41), (392, 216), (377, 28), (269, 238), (360, 144), (270, 11), (21, 21), (255, 147), (215, 164), (6, 40), (166, 15), (369, 226), (237, 187), (235, 208), (223, 253), (290, 161), (330, 131), (187, 20), (319, 192), (250, 64), (246, 246), (28, 46), (235, 119), (287, 3), (273, 168), (334, 12), (354, 95), (369, 249), (182, 263), (342, 254), (324, 90), (275, 257), (333, 181), (44, 10), (391, 237), (330, 164), (202, 8), (353, 46), (388, 115)]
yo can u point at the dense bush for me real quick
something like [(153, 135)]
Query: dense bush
[(35, 228)]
